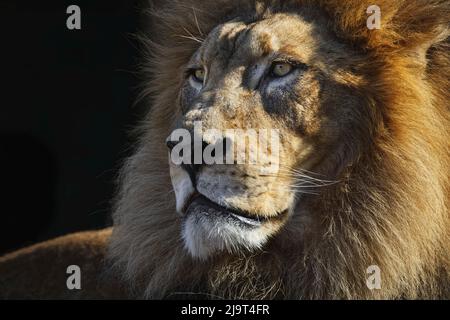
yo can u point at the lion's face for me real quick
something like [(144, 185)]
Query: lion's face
[(282, 73)]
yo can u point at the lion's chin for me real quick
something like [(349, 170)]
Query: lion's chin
[(210, 228)]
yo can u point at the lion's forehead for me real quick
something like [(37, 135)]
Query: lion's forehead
[(238, 41)]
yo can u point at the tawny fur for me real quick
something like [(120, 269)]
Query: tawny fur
[(40, 271), (390, 208)]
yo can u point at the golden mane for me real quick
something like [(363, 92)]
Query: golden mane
[(391, 207)]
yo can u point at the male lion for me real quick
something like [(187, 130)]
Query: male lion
[(364, 158)]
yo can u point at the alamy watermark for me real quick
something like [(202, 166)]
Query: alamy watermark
[(259, 147), (73, 281), (374, 279), (73, 22), (374, 20)]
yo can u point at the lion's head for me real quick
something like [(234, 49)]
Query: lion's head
[(361, 155), (281, 73)]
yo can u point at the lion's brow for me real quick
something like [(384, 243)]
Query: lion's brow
[(227, 45)]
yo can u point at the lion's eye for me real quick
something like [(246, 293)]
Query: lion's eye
[(199, 75), (281, 69)]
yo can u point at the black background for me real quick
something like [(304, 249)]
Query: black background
[(66, 109)]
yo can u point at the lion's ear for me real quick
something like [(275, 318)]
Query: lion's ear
[(419, 33), (422, 48), (415, 25), (403, 24)]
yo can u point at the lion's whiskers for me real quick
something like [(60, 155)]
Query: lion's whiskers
[(190, 36)]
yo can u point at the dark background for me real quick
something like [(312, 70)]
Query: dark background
[(66, 109)]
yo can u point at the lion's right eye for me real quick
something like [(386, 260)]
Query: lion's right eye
[(281, 69)]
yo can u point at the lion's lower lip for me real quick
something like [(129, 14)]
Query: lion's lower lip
[(198, 200)]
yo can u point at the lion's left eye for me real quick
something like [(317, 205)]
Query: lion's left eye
[(198, 75), (281, 69)]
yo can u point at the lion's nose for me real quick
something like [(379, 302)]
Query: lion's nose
[(192, 165)]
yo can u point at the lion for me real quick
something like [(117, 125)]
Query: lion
[(363, 164)]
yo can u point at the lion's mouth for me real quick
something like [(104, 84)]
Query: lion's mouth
[(198, 203)]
